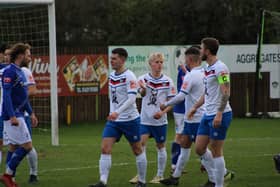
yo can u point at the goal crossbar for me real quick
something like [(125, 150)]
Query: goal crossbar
[(26, 2)]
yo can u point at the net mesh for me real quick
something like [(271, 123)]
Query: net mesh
[(29, 24)]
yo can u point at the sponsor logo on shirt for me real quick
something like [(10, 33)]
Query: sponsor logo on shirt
[(7, 80)]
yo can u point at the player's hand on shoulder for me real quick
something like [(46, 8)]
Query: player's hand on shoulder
[(34, 120), (113, 116), (14, 121)]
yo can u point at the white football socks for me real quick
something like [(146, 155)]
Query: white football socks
[(141, 163), (208, 163), (182, 160), (32, 158), (219, 163), (162, 157), (105, 163)]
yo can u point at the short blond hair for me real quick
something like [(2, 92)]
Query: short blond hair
[(156, 56)]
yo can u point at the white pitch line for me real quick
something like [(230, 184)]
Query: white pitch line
[(229, 139), (89, 167), (132, 163)]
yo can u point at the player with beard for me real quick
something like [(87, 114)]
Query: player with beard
[(218, 115), (15, 103), (32, 156)]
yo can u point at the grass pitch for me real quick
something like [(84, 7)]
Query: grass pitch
[(249, 148)]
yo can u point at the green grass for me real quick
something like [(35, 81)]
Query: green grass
[(249, 148)]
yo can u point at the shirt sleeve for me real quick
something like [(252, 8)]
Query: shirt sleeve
[(131, 84), (28, 107), (222, 74), (175, 100), (187, 84), (28, 75), (172, 89), (8, 79)]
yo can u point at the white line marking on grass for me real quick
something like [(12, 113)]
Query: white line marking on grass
[(125, 143), (253, 139), (42, 129), (89, 167)]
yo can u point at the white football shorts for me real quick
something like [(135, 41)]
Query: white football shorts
[(179, 122), (16, 135)]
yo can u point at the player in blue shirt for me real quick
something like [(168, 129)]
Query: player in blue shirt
[(15, 103), (6, 51)]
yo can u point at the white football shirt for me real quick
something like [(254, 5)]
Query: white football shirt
[(158, 90), (28, 75), (29, 80), (193, 87), (213, 94), (120, 85)]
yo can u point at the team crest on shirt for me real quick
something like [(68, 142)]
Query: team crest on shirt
[(153, 97)]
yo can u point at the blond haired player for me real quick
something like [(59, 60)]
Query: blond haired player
[(155, 88)]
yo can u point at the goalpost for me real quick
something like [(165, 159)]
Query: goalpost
[(16, 33), (269, 33)]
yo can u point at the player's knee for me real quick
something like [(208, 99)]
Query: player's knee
[(27, 146), (137, 150), (200, 150), (106, 149)]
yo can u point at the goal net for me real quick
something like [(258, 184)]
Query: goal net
[(32, 22)]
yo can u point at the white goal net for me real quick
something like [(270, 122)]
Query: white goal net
[(32, 22)]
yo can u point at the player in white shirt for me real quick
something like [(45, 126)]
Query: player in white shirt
[(178, 114), (32, 156), (216, 121), (155, 88), (191, 90), (123, 119)]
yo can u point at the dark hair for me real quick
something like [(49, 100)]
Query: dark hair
[(120, 51), (212, 44), (18, 49), (196, 46), (192, 51)]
